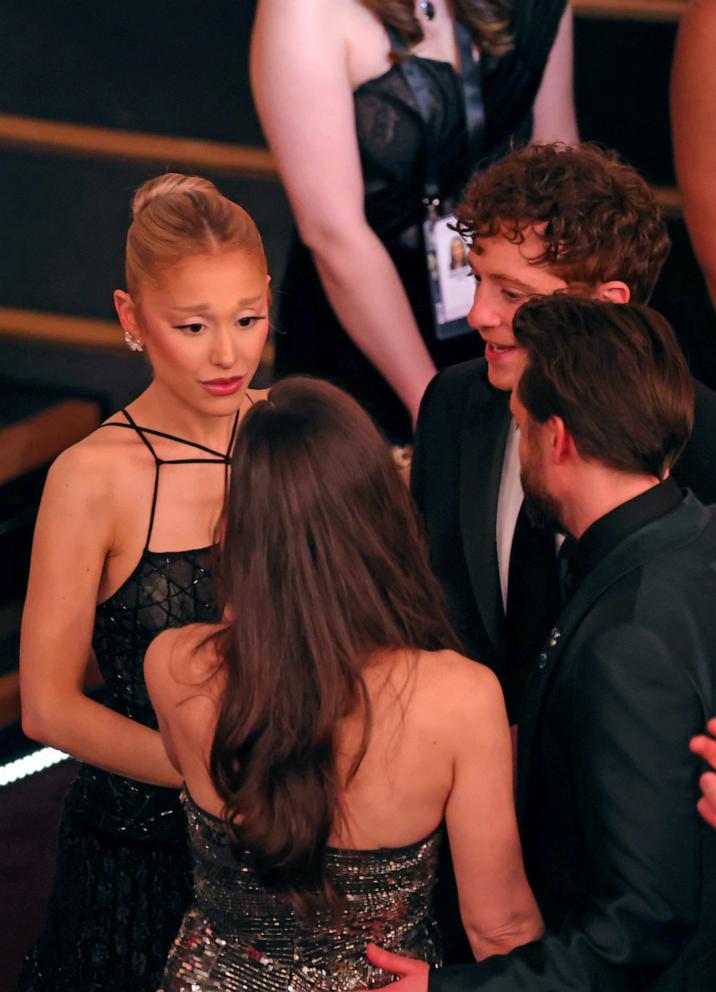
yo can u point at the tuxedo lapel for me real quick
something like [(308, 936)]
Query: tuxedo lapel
[(482, 446), (682, 524)]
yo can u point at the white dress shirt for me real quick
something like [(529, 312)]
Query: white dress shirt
[(509, 501)]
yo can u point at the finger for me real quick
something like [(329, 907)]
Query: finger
[(711, 726), (394, 963), (707, 811), (706, 747), (708, 786)]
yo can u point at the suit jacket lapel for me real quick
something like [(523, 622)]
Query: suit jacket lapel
[(680, 525), (482, 446)]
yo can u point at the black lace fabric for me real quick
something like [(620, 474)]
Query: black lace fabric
[(392, 145)]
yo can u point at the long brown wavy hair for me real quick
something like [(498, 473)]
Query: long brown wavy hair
[(323, 566), (490, 21)]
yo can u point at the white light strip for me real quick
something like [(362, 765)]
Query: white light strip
[(31, 764)]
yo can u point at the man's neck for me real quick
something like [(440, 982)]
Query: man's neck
[(598, 492)]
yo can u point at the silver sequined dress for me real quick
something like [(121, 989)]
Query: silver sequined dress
[(239, 937)]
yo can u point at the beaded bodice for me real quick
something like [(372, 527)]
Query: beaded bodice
[(240, 936)]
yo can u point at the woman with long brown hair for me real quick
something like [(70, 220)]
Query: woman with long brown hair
[(327, 729), (370, 108), (122, 550)]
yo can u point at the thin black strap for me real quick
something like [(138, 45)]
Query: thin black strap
[(131, 426), (471, 74), (157, 465), (232, 436), (471, 81), (180, 440), (140, 431), (230, 447), (220, 457)]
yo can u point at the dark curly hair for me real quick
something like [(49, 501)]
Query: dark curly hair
[(490, 21), (596, 215)]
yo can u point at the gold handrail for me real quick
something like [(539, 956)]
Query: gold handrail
[(60, 328), (630, 10), (81, 139)]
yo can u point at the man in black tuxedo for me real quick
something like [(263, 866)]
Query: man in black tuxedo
[(622, 867), (546, 219)]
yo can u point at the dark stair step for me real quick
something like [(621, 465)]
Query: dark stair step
[(170, 67)]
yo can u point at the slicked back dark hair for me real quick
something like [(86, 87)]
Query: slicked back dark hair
[(614, 373), (597, 217)]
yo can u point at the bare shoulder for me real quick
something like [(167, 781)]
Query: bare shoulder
[(93, 470), (463, 687), (310, 18), (85, 468)]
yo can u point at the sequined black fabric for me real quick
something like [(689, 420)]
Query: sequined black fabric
[(239, 937), (123, 878)]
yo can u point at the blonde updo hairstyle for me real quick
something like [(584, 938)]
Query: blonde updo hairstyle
[(175, 216)]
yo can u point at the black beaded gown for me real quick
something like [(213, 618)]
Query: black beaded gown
[(391, 141), (239, 937), (123, 879)]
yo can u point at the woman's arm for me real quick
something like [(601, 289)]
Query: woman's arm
[(497, 907), (302, 91), (72, 539), (555, 118), (693, 119)]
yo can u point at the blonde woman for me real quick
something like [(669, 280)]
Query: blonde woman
[(123, 550)]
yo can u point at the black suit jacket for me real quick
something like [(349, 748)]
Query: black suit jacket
[(623, 868), (457, 464)]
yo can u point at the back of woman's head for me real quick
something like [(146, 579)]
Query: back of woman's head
[(174, 216), (324, 566)]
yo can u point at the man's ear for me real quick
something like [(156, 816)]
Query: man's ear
[(614, 291), (560, 439)]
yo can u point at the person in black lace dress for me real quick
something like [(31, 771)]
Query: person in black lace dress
[(350, 145), (123, 550), (326, 731)]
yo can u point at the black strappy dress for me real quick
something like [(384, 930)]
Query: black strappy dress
[(123, 877), (391, 140)]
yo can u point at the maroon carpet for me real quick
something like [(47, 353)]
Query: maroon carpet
[(29, 815)]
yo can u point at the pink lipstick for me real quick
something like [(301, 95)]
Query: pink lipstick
[(224, 387)]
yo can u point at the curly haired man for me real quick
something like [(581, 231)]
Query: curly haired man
[(545, 219)]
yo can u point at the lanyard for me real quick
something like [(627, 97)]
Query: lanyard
[(471, 80)]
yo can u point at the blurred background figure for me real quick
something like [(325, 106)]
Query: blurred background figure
[(369, 107), (693, 116)]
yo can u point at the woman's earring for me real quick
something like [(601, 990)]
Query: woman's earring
[(132, 342)]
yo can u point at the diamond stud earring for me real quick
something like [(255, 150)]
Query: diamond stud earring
[(133, 343)]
